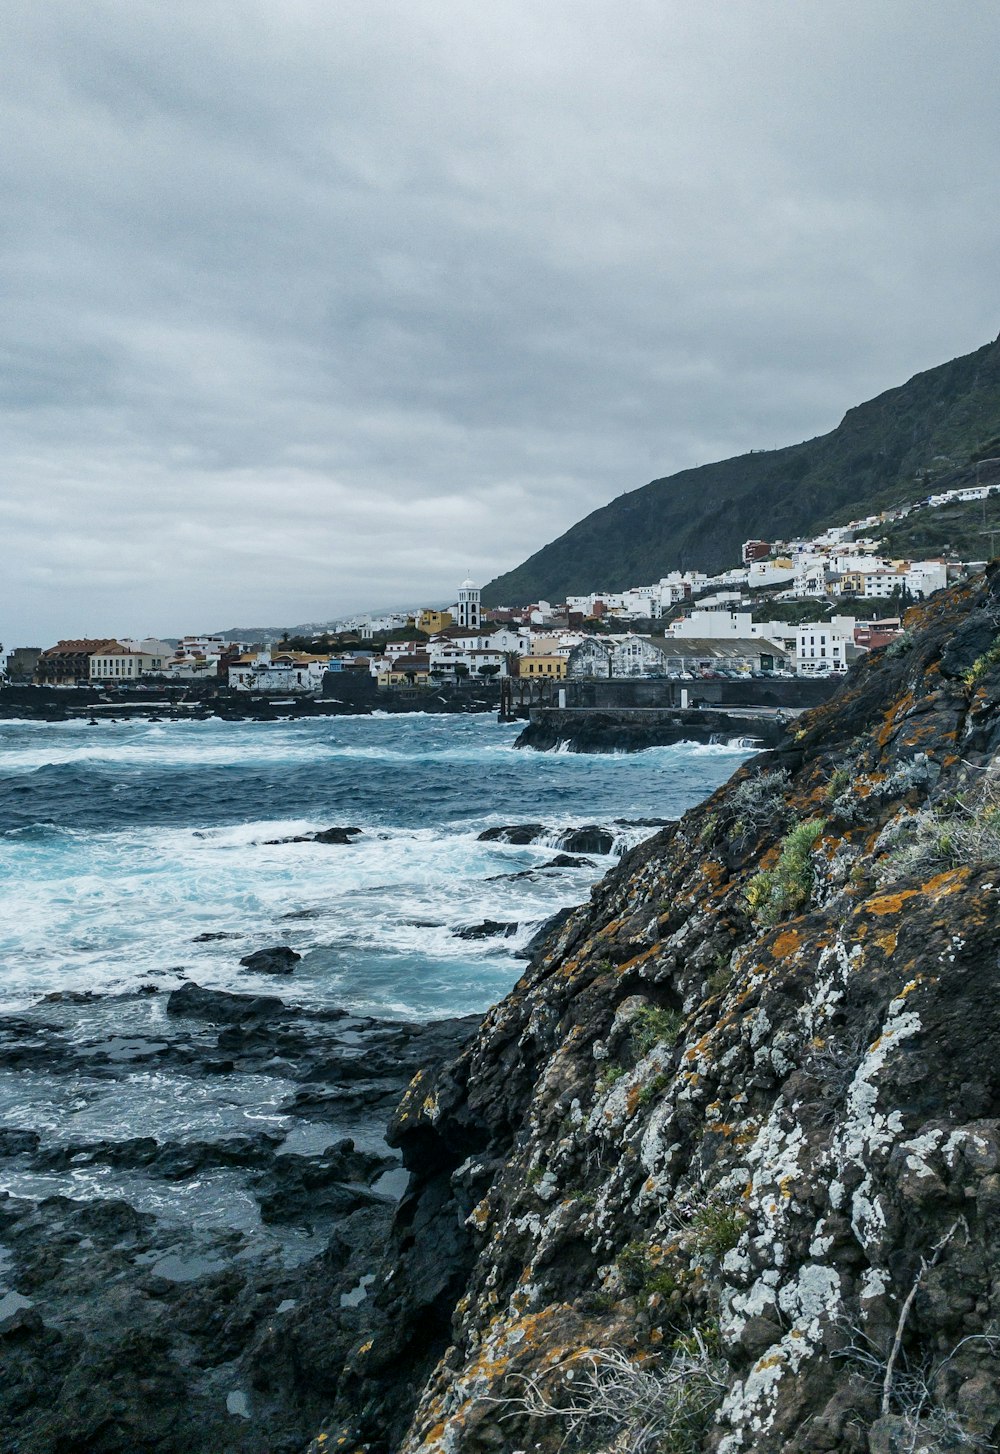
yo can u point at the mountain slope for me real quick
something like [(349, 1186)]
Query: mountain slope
[(699, 518)]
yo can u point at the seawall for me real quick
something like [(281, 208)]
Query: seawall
[(631, 729)]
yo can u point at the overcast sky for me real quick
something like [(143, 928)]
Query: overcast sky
[(316, 306)]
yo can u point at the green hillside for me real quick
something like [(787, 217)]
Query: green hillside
[(883, 452)]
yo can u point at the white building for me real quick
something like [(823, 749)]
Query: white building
[(289, 676), (821, 647), (117, 663), (157, 651), (713, 625), (924, 577), (769, 573), (880, 584)]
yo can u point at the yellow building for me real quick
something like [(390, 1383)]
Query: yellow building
[(542, 666), (431, 621)]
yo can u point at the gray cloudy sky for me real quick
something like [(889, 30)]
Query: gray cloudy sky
[(315, 306)]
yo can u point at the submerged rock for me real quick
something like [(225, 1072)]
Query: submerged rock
[(325, 835), (222, 1006), (591, 839), (279, 960), (568, 860), (519, 833), (487, 929)]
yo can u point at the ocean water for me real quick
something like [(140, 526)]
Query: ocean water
[(121, 843)]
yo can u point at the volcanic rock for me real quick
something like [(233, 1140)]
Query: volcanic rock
[(279, 960)]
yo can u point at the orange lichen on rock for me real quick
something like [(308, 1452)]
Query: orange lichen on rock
[(942, 884), (887, 941), (786, 944)]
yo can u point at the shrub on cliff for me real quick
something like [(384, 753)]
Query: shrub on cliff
[(756, 801), (781, 890), (610, 1401), (964, 830)]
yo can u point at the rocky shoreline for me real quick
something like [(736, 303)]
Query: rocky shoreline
[(133, 1316), (356, 696)]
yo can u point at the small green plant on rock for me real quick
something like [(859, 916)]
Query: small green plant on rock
[(722, 975), (609, 1077), (653, 1088), (655, 1026), (965, 829), (641, 1274), (839, 782), (982, 665), (756, 801), (781, 890), (901, 645), (717, 1227)]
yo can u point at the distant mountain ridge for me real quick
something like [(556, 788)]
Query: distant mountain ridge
[(879, 455)]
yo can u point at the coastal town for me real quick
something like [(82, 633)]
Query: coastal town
[(805, 608)]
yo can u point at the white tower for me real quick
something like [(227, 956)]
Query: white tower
[(469, 607)]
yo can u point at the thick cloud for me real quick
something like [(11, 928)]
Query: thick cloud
[(310, 307)]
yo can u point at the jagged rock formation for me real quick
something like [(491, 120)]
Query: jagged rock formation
[(737, 1129)]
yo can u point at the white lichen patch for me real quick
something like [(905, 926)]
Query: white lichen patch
[(867, 1134), (919, 1148), (812, 1300), (874, 1283)]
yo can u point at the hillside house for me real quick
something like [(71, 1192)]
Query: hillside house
[(823, 647)]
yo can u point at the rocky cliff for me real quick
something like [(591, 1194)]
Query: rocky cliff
[(723, 1171)]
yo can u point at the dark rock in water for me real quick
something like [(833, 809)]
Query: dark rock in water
[(303, 1188), (221, 1006), (336, 835), (18, 1319), (569, 860), (519, 833), (208, 938), (15, 1143), (488, 929), (591, 839), (279, 960), (325, 835)]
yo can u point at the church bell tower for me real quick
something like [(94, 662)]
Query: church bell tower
[(469, 606)]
